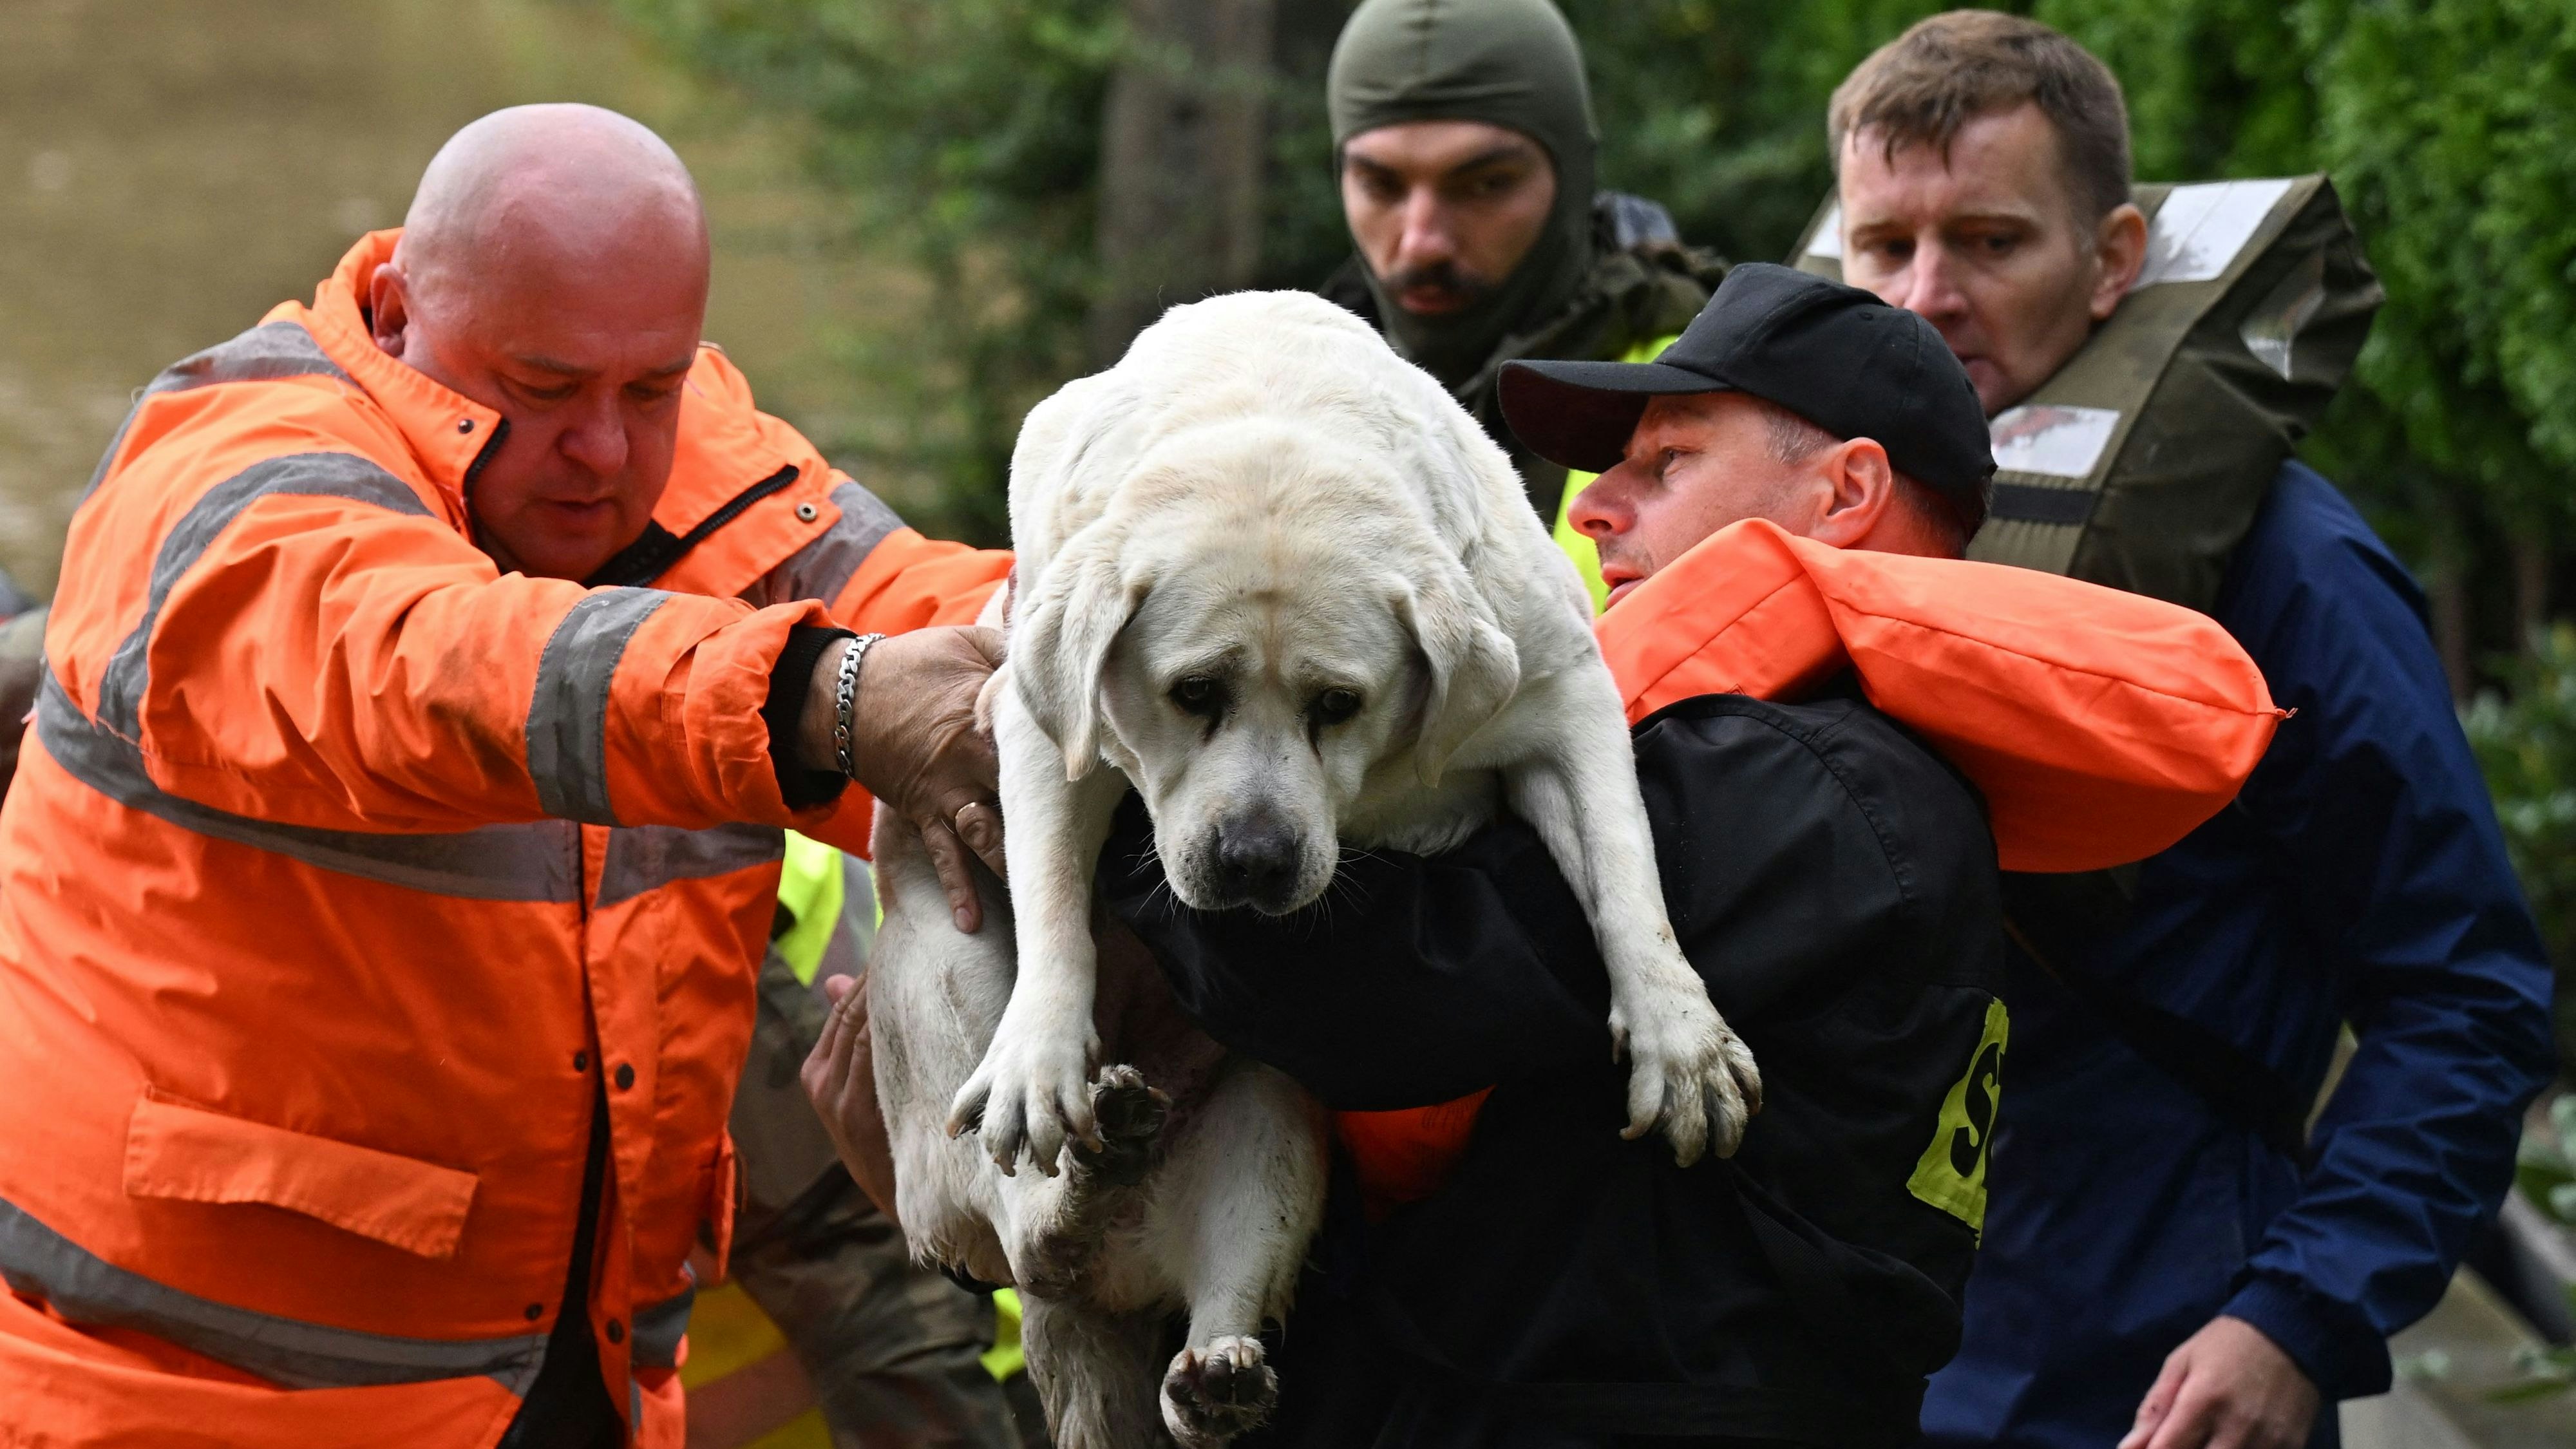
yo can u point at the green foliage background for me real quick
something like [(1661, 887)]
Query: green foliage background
[(2526, 741), (965, 133)]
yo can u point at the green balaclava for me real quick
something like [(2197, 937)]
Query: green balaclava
[(1508, 63)]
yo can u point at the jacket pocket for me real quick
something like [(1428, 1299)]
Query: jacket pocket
[(189, 1154)]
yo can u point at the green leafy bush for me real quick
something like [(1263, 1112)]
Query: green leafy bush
[(2526, 742), (2546, 1167), (2545, 1170), (966, 135)]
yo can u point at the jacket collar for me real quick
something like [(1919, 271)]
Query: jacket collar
[(1734, 615), (722, 450), (444, 430)]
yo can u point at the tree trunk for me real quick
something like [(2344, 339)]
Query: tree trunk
[(2450, 600), (2448, 592), (2446, 580), (2532, 556), (1181, 160), (1302, 39)]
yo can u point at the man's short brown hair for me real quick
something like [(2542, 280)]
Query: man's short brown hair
[(1954, 67), (1794, 440)]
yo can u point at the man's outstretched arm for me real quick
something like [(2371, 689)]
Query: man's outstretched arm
[(2379, 816)]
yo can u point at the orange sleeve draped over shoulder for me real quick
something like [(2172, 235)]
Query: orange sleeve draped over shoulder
[(2101, 726)]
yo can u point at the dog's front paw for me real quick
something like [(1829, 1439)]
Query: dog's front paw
[(1689, 1075), (1211, 1395), (1032, 1093)]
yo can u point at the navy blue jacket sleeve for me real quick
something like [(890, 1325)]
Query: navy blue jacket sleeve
[(2381, 828)]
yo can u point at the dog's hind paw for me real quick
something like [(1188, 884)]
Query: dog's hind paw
[(1211, 1395), (1061, 1254), (1130, 1115)]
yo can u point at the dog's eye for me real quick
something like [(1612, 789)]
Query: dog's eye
[(1336, 705), (1199, 695)]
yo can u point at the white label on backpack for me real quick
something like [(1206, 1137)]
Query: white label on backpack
[(2200, 229), (1828, 240), (2062, 442)]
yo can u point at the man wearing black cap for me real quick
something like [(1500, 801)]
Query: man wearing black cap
[(1826, 414), (1499, 1268), (1832, 878)]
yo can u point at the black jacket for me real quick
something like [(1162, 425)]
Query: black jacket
[(1835, 885)]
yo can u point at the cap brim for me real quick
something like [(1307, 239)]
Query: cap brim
[(1579, 414)]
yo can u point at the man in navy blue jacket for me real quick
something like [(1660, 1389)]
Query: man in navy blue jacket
[(2162, 1261)]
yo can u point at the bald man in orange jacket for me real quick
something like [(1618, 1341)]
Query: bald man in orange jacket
[(433, 671)]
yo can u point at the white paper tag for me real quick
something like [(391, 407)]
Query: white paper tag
[(2061, 442), (1828, 240), (2200, 229)]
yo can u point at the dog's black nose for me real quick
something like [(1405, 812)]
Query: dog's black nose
[(1257, 859)]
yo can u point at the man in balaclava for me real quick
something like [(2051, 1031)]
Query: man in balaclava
[(1464, 139)]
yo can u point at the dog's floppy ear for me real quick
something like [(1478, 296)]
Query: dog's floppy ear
[(1475, 670), (1061, 637)]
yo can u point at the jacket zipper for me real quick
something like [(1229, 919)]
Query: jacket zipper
[(654, 554)]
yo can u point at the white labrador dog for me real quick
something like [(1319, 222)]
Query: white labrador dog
[(1277, 580)]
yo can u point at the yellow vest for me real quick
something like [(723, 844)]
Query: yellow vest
[(1576, 543)]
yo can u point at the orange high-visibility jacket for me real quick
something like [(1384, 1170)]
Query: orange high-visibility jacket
[(2100, 726), (342, 874)]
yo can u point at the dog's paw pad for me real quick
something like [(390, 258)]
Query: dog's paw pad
[(1131, 1117), (1211, 1395)]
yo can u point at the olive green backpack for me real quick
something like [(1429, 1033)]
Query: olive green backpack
[(2141, 463)]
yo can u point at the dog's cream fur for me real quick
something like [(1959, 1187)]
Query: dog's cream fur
[(1279, 581)]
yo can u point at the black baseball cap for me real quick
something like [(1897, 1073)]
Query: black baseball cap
[(1834, 355)]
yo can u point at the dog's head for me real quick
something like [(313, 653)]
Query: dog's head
[(1257, 639)]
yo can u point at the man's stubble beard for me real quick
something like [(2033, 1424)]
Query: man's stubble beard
[(1470, 290)]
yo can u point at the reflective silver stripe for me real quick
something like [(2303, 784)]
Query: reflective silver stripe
[(645, 857), (322, 475), (568, 718), (822, 568), (85, 1288), (539, 861), (657, 1329), (265, 353)]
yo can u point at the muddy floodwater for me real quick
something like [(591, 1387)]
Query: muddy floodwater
[(170, 169)]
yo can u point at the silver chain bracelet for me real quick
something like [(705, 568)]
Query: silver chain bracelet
[(845, 693)]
